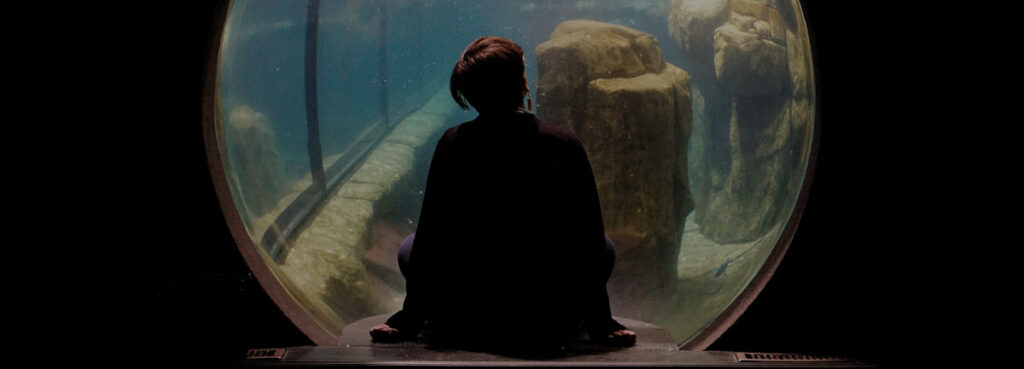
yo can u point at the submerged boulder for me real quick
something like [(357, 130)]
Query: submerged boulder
[(611, 86), (692, 25), (750, 56), (580, 51), (255, 163)]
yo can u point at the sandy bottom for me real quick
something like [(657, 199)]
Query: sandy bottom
[(711, 276)]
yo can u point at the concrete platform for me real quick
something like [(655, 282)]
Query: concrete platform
[(654, 347), (649, 336)]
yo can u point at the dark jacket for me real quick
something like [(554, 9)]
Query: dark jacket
[(510, 240)]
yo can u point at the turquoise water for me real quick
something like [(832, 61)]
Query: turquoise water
[(265, 56), (373, 61), (379, 63)]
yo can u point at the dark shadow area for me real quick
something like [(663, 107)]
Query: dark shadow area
[(546, 353), (185, 297), (865, 276), (649, 337), (860, 279)]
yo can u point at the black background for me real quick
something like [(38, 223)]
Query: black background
[(858, 280)]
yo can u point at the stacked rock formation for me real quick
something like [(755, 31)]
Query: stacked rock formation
[(611, 86), (758, 56)]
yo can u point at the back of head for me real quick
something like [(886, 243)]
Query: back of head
[(489, 75)]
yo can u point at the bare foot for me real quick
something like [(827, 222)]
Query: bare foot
[(384, 333), (621, 338)]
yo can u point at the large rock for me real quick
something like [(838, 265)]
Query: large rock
[(632, 111), (255, 163), (580, 51), (742, 41), (692, 24), (750, 57), (607, 50)]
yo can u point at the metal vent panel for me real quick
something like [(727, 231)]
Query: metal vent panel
[(783, 357)]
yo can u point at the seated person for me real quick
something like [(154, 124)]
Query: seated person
[(510, 246)]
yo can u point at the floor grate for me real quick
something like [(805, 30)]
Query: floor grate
[(781, 357)]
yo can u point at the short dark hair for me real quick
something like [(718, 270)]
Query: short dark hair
[(489, 75)]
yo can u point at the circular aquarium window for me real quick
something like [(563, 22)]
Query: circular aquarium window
[(698, 116)]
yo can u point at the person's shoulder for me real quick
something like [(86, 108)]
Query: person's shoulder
[(557, 132), (452, 132), (449, 134)]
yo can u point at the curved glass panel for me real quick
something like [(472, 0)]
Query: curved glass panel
[(349, 73), (697, 115), (263, 115)]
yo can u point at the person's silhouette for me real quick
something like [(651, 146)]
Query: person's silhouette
[(510, 246)]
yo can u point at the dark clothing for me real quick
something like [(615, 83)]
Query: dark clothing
[(510, 245), (405, 249)]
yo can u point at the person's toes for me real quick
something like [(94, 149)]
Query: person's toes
[(622, 338), (384, 333)]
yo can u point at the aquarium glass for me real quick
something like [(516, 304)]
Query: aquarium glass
[(697, 116), (349, 74), (263, 112)]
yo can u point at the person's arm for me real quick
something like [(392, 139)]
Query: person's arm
[(420, 282)]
